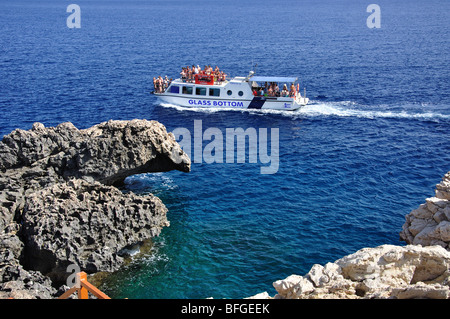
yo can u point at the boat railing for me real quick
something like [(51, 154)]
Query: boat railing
[(289, 96), (83, 288), (192, 81)]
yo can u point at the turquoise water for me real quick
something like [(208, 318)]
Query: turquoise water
[(368, 149)]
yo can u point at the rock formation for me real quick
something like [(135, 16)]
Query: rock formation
[(419, 270), (58, 205), (388, 271), (429, 224)]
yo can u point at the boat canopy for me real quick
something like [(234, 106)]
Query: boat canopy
[(277, 79)]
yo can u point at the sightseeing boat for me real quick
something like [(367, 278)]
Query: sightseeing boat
[(250, 92)]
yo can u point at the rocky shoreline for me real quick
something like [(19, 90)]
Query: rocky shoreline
[(419, 270), (429, 224), (59, 205)]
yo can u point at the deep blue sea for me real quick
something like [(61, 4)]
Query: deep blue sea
[(368, 149)]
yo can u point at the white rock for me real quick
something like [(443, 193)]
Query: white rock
[(439, 216), (422, 291), (421, 224), (422, 212), (444, 230), (425, 236), (262, 295), (443, 188), (447, 212), (417, 225), (304, 286), (317, 276), (386, 271), (283, 287)]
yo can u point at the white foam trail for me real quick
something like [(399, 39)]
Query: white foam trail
[(340, 109), (344, 109)]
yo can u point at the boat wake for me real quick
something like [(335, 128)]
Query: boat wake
[(351, 109), (335, 109)]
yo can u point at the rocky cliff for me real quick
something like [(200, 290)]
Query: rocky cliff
[(419, 270), (388, 271), (59, 205), (429, 224)]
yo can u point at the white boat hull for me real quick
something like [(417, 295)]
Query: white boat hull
[(238, 93), (255, 103)]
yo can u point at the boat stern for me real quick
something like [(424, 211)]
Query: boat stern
[(301, 100)]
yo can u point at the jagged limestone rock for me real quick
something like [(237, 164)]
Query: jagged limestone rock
[(386, 271), (429, 224), (58, 204)]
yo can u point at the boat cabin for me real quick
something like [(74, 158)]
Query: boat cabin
[(237, 88)]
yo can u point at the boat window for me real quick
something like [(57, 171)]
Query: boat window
[(241, 93), (174, 89), (214, 92), (187, 89), (229, 92), (200, 91)]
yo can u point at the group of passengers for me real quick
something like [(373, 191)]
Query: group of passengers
[(161, 84), (188, 73), (272, 90)]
